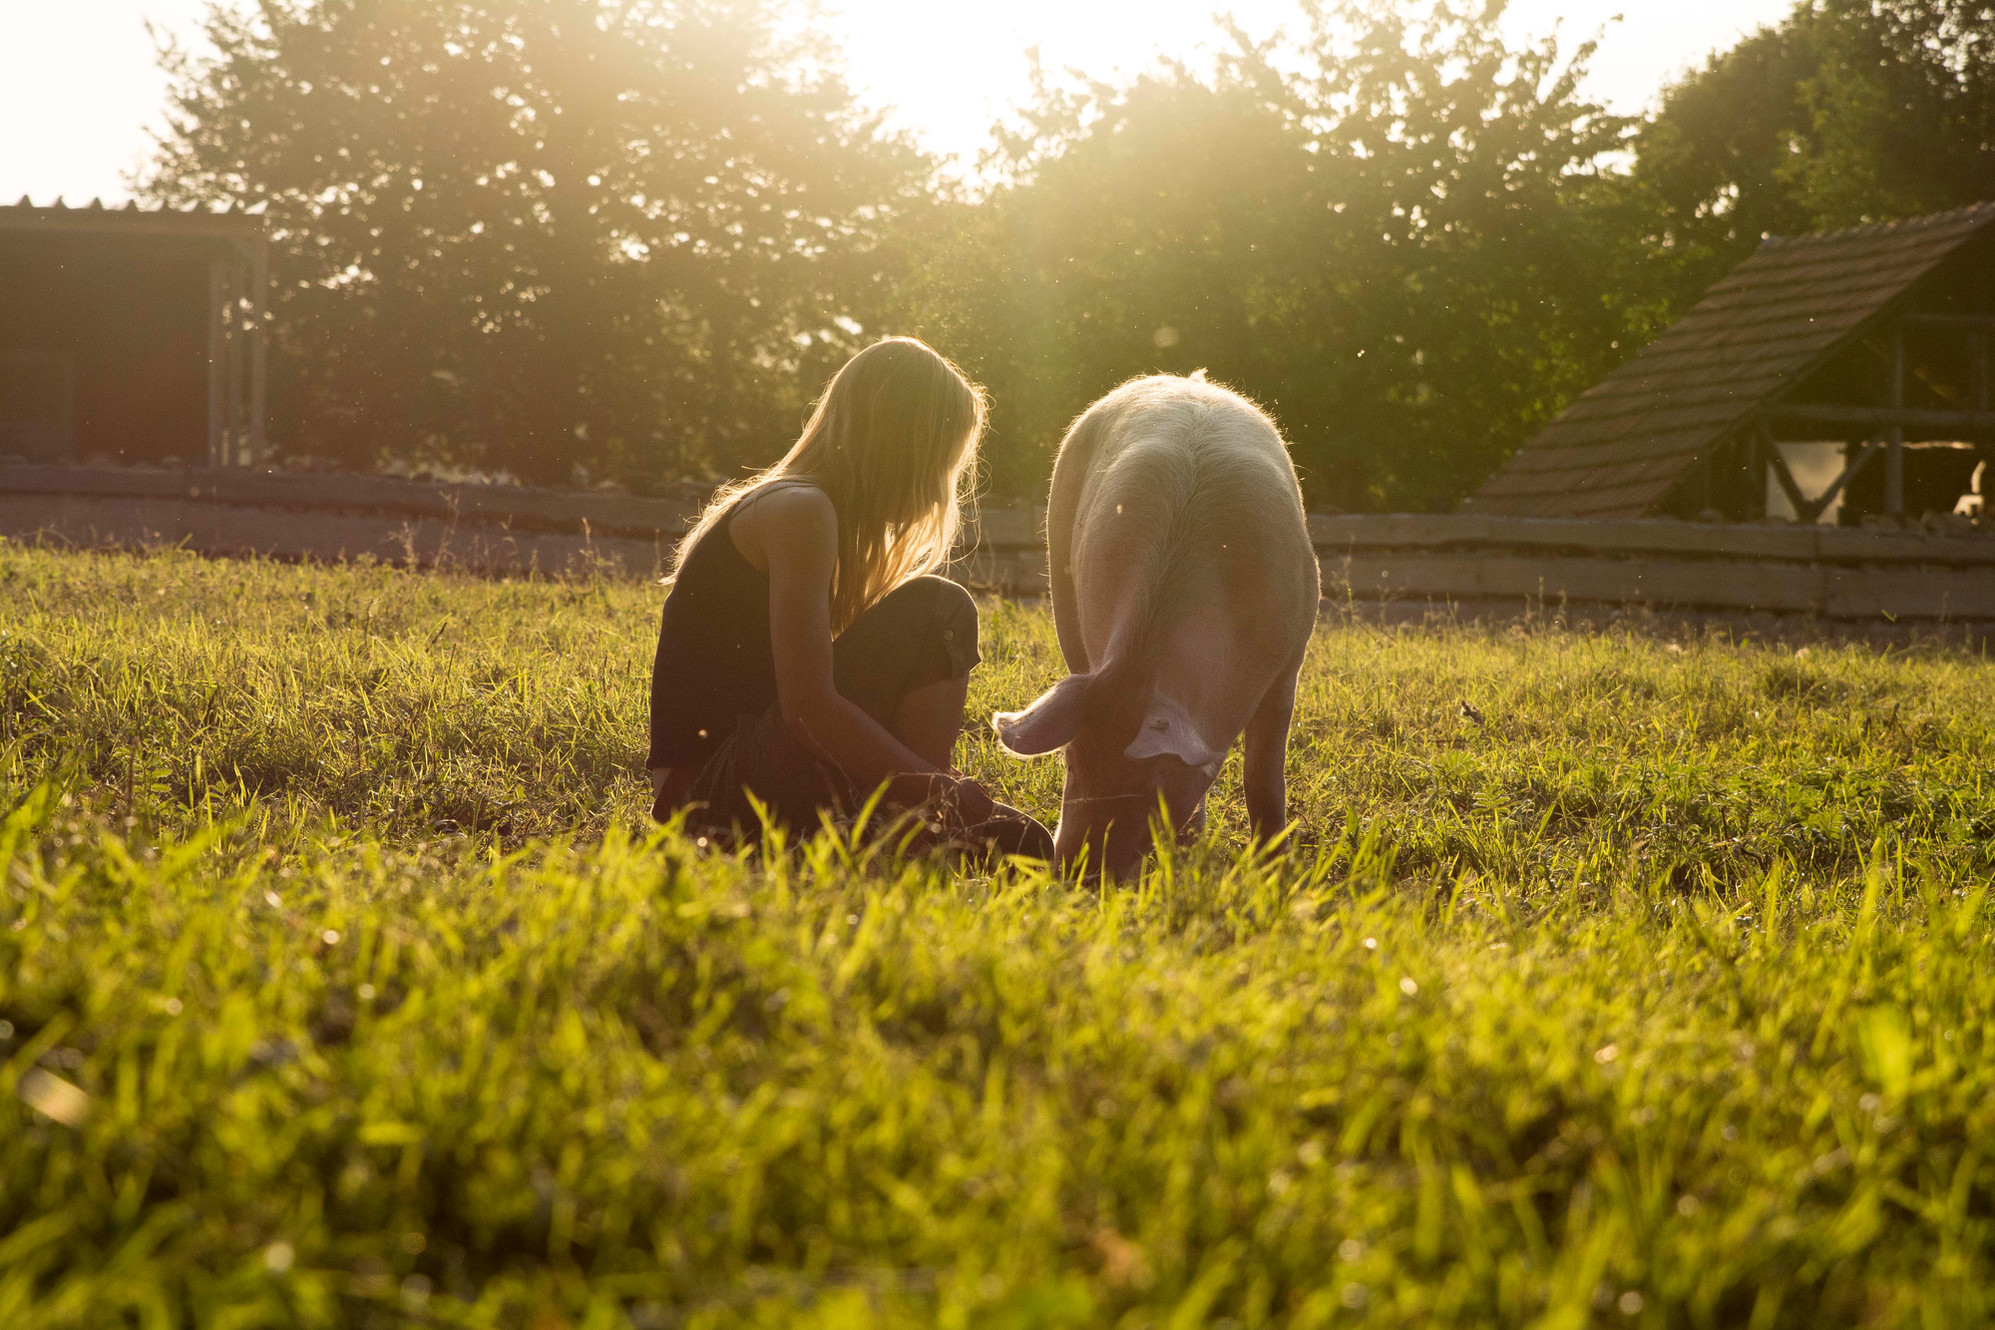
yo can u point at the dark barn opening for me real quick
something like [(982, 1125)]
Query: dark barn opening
[(129, 336)]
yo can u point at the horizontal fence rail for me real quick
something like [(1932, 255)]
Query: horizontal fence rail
[(1835, 572), (485, 528), (1466, 560)]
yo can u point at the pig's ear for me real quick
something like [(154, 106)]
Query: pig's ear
[(1168, 729), (1049, 723)]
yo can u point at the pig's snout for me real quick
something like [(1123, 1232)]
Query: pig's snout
[(1111, 831)]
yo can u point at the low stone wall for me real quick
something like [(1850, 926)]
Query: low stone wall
[(1469, 563)]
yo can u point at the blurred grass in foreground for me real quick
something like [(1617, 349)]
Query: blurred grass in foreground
[(343, 984)]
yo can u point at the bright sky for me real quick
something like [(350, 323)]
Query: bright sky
[(79, 86)]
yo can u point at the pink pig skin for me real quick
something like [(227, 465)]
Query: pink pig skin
[(1184, 590)]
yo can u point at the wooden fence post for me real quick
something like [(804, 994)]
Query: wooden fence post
[(217, 348)]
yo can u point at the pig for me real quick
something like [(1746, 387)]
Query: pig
[(1184, 592)]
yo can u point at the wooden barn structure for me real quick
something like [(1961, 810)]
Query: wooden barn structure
[(130, 335), (1829, 377)]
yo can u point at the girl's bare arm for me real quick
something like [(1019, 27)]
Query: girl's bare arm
[(792, 533)]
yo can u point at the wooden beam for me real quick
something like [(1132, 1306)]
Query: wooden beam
[(1894, 459), (1757, 442), (1873, 417), (515, 506), (1788, 485), (1466, 534), (1808, 511), (1949, 320), (1850, 472), (1981, 340), (216, 348), (237, 410), (259, 446)]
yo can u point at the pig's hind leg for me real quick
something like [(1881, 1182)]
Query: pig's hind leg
[(1265, 759)]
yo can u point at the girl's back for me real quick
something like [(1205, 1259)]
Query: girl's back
[(715, 662)]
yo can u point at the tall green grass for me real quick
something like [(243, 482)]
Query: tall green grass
[(344, 984)]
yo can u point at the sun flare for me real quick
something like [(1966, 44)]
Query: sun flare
[(949, 70), (85, 76)]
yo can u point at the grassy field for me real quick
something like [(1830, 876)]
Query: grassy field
[(343, 983)]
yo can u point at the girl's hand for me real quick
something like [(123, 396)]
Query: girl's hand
[(971, 801), (962, 798)]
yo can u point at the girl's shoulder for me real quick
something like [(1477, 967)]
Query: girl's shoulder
[(794, 517), (782, 496)]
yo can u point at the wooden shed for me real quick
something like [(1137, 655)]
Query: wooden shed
[(129, 335), (1828, 377)]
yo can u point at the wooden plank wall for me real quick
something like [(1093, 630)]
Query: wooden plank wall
[(1473, 562), (482, 528), (1833, 572)]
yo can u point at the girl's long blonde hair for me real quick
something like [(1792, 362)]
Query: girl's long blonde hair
[(890, 443)]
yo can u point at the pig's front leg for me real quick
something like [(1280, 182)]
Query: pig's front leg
[(1265, 760), (1194, 826)]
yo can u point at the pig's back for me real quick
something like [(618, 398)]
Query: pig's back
[(1169, 442), (1166, 482)]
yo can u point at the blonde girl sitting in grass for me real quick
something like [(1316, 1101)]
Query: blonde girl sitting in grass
[(808, 655)]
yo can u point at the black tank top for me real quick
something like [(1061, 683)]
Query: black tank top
[(714, 662)]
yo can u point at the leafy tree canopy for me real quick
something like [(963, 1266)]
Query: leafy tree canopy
[(534, 233), (1848, 112), (1385, 227), (635, 236)]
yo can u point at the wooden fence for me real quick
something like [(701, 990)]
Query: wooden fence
[(486, 528), (1833, 572), (1473, 562)]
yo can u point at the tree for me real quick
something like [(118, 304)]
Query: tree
[(1713, 171), (1848, 112), (629, 235), (1391, 230), (1902, 110)]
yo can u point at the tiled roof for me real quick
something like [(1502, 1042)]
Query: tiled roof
[(1617, 451)]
